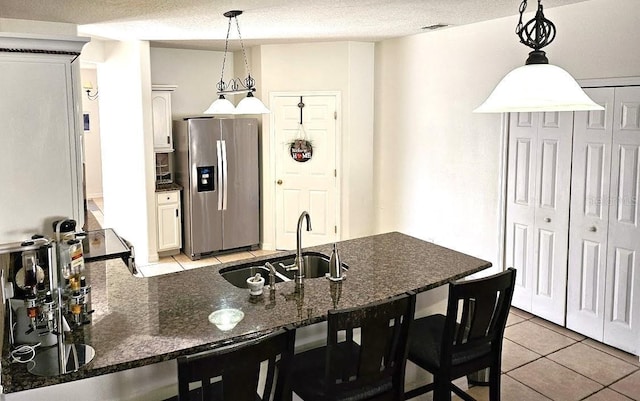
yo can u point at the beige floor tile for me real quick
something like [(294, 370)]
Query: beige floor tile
[(514, 390), (597, 365), (514, 355), (537, 338), (558, 329), (521, 313), (234, 257), (187, 263), (263, 252), (554, 380), (630, 358), (513, 319), (629, 386), (607, 395), (158, 269), (99, 217)]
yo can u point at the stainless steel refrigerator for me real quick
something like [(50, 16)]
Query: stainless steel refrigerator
[(216, 163)]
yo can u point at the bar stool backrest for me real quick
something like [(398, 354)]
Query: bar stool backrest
[(233, 373), (377, 364)]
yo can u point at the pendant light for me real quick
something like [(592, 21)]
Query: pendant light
[(248, 105), (538, 85)]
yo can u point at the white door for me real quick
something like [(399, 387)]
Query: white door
[(309, 185), (538, 210), (622, 309), (590, 185)]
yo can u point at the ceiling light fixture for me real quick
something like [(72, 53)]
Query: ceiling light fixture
[(538, 85), (248, 105)]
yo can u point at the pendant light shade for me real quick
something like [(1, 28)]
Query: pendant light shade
[(220, 106), (251, 105), (537, 87)]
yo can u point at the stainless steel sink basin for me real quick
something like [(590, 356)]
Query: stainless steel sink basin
[(238, 276), (317, 265)]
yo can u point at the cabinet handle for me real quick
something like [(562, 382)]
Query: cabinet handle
[(593, 229), (168, 140), (547, 219), (176, 212)]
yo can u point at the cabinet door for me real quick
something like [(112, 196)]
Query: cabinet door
[(169, 227), (622, 309), (161, 107), (589, 215)]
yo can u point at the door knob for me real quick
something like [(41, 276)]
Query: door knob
[(593, 229), (547, 219), (279, 182)]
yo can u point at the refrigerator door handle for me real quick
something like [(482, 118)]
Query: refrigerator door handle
[(224, 174), (219, 178)]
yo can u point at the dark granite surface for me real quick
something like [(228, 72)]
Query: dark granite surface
[(140, 321), (168, 187)]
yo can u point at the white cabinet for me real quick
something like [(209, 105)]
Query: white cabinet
[(603, 290), (161, 110), (168, 214), (538, 210), (41, 131)]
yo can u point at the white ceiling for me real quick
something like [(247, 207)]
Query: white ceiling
[(199, 24)]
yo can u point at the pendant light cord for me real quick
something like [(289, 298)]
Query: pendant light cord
[(248, 82), (221, 85)]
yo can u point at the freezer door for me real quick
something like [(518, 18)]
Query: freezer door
[(204, 164), (241, 225)]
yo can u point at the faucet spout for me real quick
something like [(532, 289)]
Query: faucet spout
[(299, 261)]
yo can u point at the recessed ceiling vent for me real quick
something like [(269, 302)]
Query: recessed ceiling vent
[(434, 27)]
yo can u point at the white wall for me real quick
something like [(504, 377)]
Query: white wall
[(195, 72), (127, 145), (346, 67), (37, 27), (92, 147), (436, 163)]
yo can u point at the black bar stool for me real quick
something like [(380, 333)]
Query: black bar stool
[(372, 368)]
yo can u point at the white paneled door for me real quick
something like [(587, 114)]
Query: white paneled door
[(590, 185), (310, 185), (538, 210), (622, 289)]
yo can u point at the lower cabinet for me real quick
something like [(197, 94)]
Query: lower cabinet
[(168, 215)]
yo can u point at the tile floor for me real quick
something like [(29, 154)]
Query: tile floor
[(541, 361)]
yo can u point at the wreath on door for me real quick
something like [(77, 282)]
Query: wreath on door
[(300, 148)]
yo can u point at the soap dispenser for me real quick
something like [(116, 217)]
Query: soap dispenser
[(335, 266)]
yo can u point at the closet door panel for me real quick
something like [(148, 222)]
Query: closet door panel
[(622, 310), (520, 228), (553, 178), (590, 183)]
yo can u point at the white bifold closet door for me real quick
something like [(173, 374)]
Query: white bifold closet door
[(603, 283), (538, 210)]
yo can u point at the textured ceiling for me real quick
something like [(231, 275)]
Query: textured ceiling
[(200, 23)]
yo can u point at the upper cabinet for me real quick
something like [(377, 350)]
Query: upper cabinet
[(41, 130), (161, 110)]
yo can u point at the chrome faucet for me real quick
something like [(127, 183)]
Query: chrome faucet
[(298, 264), (272, 275)]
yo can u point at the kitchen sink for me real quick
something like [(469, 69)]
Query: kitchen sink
[(317, 265), (238, 276)]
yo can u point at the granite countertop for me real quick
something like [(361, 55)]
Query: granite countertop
[(172, 186), (140, 321)]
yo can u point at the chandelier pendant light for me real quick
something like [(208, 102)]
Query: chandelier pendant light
[(538, 85), (248, 105)]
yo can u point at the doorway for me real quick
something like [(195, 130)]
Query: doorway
[(306, 138)]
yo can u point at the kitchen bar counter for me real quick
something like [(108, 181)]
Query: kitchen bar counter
[(141, 321), (168, 187)]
